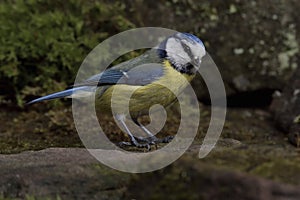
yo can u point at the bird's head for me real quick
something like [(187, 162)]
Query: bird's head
[(184, 51)]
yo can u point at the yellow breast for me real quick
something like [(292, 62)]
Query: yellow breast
[(162, 91)]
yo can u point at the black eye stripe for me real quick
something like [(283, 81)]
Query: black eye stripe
[(187, 49)]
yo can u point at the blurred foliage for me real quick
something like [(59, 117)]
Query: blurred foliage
[(43, 42)]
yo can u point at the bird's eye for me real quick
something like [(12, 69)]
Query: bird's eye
[(186, 47)]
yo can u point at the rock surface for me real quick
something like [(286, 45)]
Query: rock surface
[(286, 108), (250, 149), (189, 179), (58, 172), (72, 173)]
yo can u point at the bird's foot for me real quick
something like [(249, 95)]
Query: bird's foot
[(141, 142), (154, 140), (136, 144)]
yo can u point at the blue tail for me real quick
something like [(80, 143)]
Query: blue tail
[(65, 93)]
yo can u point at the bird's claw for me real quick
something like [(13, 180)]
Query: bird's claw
[(136, 144), (141, 142), (154, 140), (167, 139)]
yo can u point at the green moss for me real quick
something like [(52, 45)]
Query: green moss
[(280, 169), (31, 130), (44, 42), (268, 161)]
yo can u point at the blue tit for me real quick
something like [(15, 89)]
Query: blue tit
[(179, 57)]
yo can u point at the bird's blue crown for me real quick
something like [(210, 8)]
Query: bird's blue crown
[(162, 46), (194, 38)]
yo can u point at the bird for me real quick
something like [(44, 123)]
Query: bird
[(178, 59)]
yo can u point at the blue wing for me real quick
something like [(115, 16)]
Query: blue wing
[(139, 75), (139, 71)]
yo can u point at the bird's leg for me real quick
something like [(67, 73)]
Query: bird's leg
[(133, 140), (151, 139)]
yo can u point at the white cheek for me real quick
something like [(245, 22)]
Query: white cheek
[(175, 50), (184, 56), (172, 44)]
